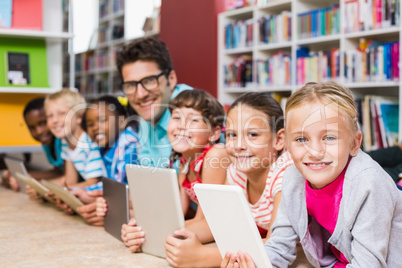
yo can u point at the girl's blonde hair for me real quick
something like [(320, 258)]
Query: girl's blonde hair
[(71, 98), (327, 93)]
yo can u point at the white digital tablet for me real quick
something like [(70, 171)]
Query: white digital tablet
[(118, 206), (156, 203), (37, 186), (64, 194), (14, 166), (229, 217)]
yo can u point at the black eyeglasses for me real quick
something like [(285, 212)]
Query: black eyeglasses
[(148, 83)]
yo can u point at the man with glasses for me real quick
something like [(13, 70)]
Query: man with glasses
[(150, 82)]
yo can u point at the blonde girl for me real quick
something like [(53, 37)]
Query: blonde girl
[(341, 204)]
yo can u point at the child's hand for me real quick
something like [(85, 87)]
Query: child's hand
[(14, 184), (101, 207), (32, 193), (88, 212), (83, 195), (5, 178), (180, 248), (57, 201), (132, 235), (242, 260)]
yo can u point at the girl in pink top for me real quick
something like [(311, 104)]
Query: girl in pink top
[(338, 202)]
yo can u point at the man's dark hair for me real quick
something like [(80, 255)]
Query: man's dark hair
[(146, 49), (35, 104)]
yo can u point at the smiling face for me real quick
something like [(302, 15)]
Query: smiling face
[(61, 122), (320, 142), (250, 143), (150, 105), (188, 131), (36, 122), (102, 125)]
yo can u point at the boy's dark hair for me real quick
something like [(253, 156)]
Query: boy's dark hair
[(201, 101), (265, 103), (112, 104), (146, 49), (35, 104)]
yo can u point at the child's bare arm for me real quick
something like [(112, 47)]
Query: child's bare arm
[(87, 182), (190, 252), (70, 173), (46, 174), (215, 165)]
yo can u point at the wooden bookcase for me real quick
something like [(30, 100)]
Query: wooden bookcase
[(15, 136), (342, 41)]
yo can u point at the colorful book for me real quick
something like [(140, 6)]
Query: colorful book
[(27, 14), (5, 13)]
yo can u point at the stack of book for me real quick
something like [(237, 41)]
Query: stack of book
[(372, 61), (317, 66), (379, 121), (275, 28), (320, 22), (239, 73), (275, 71), (239, 34), (361, 15)]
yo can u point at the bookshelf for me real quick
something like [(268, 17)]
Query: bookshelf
[(45, 49), (321, 43), (95, 69)]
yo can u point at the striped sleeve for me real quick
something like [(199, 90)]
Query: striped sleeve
[(94, 166), (64, 151)]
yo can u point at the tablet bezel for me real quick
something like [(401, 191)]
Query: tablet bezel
[(64, 194), (118, 206), (230, 220), (37, 186), (156, 204)]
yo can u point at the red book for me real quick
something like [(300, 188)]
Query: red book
[(379, 13), (27, 14)]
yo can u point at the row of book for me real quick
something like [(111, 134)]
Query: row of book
[(108, 33), (99, 85), (239, 73), (372, 61), (118, 5), (106, 9), (379, 119), (361, 15), (239, 34), (275, 28), (319, 22), (317, 66), (275, 71), (21, 14), (90, 60)]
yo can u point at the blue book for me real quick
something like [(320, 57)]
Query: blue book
[(387, 60), (390, 117), (313, 23), (5, 13)]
